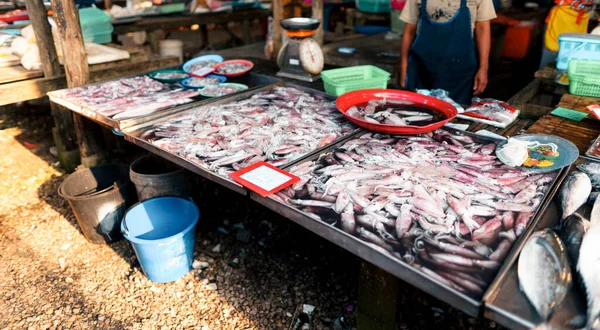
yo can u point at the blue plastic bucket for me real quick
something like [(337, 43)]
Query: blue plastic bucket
[(162, 233)]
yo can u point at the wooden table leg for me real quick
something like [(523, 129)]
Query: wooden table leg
[(64, 138), (377, 298), (204, 34), (154, 40), (246, 34)]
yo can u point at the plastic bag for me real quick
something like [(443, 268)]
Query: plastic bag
[(19, 46), (490, 111), (441, 95), (31, 59)]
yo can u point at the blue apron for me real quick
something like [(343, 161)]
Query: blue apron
[(443, 55)]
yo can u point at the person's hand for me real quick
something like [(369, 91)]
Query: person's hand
[(481, 80)]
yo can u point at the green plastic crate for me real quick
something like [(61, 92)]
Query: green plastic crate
[(340, 81), (584, 78), (586, 86)]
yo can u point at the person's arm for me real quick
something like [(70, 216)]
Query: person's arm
[(408, 36), (483, 41)]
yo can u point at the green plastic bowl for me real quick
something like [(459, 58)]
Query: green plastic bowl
[(168, 80)]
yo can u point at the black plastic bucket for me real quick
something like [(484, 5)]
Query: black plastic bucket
[(99, 197), (154, 176)]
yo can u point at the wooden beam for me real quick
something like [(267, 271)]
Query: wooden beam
[(89, 134), (66, 16), (277, 7), (377, 298), (36, 88), (43, 36), (107, 4), (317, 12)]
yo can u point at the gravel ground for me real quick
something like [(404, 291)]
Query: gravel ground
[(51, 277)]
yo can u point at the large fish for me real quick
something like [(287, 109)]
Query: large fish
[(588, 267), (574, 192), (544, 272), (571, 234)]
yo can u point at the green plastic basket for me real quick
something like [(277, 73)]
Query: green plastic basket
[(586, 86), (340, 81), (584, 78)]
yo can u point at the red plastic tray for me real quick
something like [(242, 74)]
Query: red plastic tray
[(356, 98), (251, 65), (15, 15)]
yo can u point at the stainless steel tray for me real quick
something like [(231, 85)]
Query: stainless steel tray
[(133, 133), (252, 80), (393, 265), (508, 306)]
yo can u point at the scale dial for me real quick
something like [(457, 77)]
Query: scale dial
[(311, 56)]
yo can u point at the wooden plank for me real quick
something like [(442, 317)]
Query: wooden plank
[(524, 95), (277, 6), (173, 22), (16, 73), (578, 103), (580, 133), (317, 12), (36, 88), (43, 36)]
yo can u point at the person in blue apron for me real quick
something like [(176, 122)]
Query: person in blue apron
[(446, 45)]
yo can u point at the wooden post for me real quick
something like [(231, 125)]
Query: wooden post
[(43, 36), (317, 12), (107, 4), (77, 71), (377, 298), (277, 6)]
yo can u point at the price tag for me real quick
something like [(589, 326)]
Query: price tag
[(264, 178), (595, 110), (202, 72)]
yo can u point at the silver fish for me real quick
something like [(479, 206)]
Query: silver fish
[(574, 192), (588, 267), (589, 168), (572, 233), (544, 272)]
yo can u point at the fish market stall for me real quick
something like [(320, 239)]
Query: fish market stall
[(437, 210), (121, 103), (278, 124)]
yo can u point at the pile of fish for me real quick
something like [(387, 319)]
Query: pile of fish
[(221, 90), (232, 68), (170, 75), (201, 65), (393, 112), (548, 262), (276, 125), (440, 201), (129, 97), (199, 82)]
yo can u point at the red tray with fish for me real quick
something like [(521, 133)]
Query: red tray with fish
[(233, 68), (437, 210), (395, 112)]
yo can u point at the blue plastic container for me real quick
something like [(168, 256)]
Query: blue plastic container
[(162, 233), (577, 46)]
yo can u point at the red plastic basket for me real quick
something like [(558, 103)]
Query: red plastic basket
[(356, 98)]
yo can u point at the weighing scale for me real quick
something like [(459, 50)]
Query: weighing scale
[(300, 57)]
